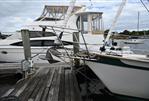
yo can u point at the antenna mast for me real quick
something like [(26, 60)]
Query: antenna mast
[(138, 22)]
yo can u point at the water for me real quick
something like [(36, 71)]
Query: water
[(138, 48), (141, 48)]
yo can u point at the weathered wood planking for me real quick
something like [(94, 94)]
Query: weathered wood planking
[(51, 83)]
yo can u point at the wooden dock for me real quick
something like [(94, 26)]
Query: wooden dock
[(56, 82)]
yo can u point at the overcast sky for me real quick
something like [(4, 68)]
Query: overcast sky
[(15, 13)]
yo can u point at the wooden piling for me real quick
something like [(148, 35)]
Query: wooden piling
[(76, 48), (26, 43), (27, 64)]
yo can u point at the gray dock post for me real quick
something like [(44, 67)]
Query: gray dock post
[(76, 48), (26, 44), (27, 64)]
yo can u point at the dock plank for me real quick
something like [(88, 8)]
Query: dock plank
[(39, 87), (51, 89), (62, 85), (49, 83), (35, 84), (29, 89), (76, 88), (21, 85), (56, 86), (47, 86), (72, 93), (67, 87)]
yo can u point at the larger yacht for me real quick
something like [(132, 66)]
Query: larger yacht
[(50, 26)]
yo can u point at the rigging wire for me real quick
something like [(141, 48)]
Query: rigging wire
[(145, 5), (60, 41)]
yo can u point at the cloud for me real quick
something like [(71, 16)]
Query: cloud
[(128, 18), (15, 13)]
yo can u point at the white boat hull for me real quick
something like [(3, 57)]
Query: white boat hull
[(13, 54), (123, 80)]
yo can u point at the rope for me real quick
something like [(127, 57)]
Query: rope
[(60, 41), (144, 5)]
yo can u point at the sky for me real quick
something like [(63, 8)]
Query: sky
[(16, 13)]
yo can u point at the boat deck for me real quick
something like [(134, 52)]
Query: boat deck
[(49, 83)]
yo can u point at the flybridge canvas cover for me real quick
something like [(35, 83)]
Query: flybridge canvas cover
[(56, 12)]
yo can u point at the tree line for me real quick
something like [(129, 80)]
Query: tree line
[(135, 33), (126, 34)]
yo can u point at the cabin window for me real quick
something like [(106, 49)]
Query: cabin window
[(41, 43), (96, 23), (90, 23), (17, 44), (48, 42), (83, 24), (36, 43)]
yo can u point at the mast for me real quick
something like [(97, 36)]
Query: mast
[(115, 21), (138, 24)]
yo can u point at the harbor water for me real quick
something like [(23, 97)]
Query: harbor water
[(141, 48)]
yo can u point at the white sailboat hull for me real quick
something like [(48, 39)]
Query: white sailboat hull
[(123, 80)]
